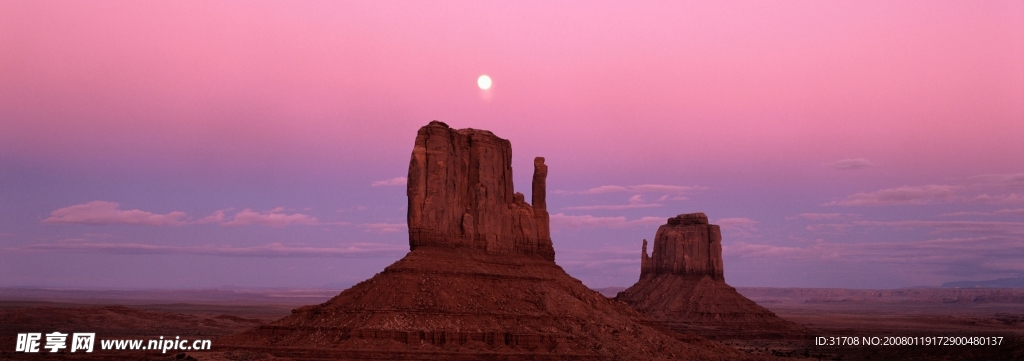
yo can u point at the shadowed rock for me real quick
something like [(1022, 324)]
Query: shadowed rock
[(682, 285)]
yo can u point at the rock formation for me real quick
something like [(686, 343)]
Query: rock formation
[(480, 281), (686, 246), (461, 195), (682, 285)]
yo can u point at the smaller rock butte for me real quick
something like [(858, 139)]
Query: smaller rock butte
[(682, 285), (687, 245)]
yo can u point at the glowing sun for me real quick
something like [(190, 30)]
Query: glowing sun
[(484, 82)]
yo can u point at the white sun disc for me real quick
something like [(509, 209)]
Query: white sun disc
[(484, 82)]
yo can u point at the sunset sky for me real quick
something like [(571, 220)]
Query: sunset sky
[(195, 144)]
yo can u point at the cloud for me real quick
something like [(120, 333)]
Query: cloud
[(216, 217), (273, 218), (612, 207), (383, 227), (905, 195), (269, 250), (817, 216), (1012, 198), (1018, 212), (744, 227), (852, 164), (636, 201), (940, 251), (661, 188), (834, 228), (587, 221), (643, 188), (396, 181), (736, 222), (605, 189), (818, 250), (975, 227), (98, 213), (1006, 181)]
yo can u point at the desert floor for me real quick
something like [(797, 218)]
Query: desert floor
[(889, 315)]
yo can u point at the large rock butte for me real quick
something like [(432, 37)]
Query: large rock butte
[(682, 285), (461, 195), (480, 281)]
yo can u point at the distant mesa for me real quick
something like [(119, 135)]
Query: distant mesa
[(682, 285), (479, 283)]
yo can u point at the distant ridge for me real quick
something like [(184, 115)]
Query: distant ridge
[(1013, 282)]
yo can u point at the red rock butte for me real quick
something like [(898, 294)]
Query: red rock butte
[(687, 245), (461, 195), (479, 283), (682, 286)]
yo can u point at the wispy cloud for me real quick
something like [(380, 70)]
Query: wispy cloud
[(974, 253), (643, 188), (975, 227), (636, 201), (99, 213), (587, 221), (604, 189), (817, 250), (906, 195), (1012, 198), (935, 193), (396, 181), (1013, 181), (274, 218), (216, 217), (1001, 212), (269, 250), (817, 216), (383, 227), (744, 227), (852, 164), (834, 228), (612, 207)]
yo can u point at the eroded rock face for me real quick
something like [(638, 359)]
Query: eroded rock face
[(461, 194), (686, 245)]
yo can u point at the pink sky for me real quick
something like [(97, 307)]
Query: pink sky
[(868, 111)]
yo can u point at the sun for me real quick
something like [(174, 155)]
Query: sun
[(484, 82)]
